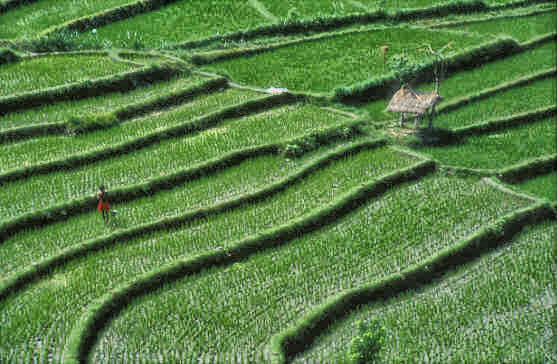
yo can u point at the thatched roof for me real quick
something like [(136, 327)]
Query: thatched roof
[(409, 101)]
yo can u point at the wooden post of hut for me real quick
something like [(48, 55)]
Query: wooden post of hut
[(384, 50)]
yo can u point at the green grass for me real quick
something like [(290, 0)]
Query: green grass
[(68, 290), (521, 28), (274, 126), (494, 310), (62, 111), (516, 100), (499, 149), (43, 149), (43, 72), (179, 22), (28, 20), (544, 186), (140, 57), (341, 60), (237, 310)]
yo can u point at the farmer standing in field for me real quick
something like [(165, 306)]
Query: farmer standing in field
[(103, 205)]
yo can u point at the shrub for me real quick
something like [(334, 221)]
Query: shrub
[(60, 41), (79, 125), (91, 40), (404, 67), (309, 143), (8, 56), (293, 150), (364, 348)]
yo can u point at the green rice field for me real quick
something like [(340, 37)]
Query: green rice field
[(502, 297), (247, 177), (516, 100), (148, 252), (38, 150), (542, 186), (264, 204), (303, 272), (490, 76), (331, 69), (62, 111), (30, 19), (170, 25), (167, 157), (520, 28), (179, 22), (44, 72), (499, 149), (499, 72)]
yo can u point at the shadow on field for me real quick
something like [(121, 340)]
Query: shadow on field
[(433, 137)]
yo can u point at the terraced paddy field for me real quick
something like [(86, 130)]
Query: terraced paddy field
[(499, 149), (542, 186), (228, 227), (170, 25), (246, 177), (521, 28), (504, 297), (63, 111), (43, 72), (281, 67), (304, 10), (30, 19), (179, 22), (493, 77), (169, 156), (257, 225), (301, 274), (47, 148)]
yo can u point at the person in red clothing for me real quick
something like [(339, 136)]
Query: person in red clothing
[(103, 205)]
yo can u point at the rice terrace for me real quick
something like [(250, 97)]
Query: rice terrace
[(278, 181)]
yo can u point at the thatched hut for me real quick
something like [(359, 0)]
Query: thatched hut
[(408, 101)]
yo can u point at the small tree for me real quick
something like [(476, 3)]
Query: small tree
[(439, 68), (403, 67), (365, 347), (8, 56)]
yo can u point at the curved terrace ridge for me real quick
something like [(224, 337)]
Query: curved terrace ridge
[(285, 345), (96, 87), (226, 182), (105, 308), (129, 193), (196, 125), (19, 280), (95, 122), (331, 23)]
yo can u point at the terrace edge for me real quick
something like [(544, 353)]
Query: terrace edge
[(201, 123), (99, 121), (285, 345), (103, 310)]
